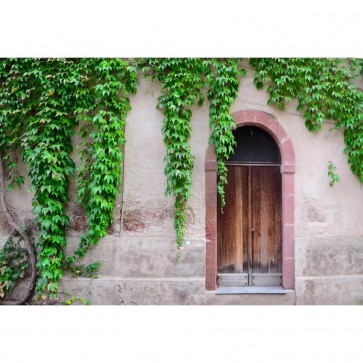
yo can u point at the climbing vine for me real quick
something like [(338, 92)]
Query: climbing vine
[(13, 265), (331, 174), (223, 80), (324, 90), (104, 129), (44, 101), (182, 83)]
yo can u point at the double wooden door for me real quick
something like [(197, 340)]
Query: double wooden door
[(249, 229)]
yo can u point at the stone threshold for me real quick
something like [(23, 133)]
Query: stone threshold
[(250, 290)]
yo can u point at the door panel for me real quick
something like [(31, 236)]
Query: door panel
[(266, 219), (249, 230), (232, 252)]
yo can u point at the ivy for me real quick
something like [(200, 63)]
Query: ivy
[(222, 82), (331, 173), (15, 105), (13, 265), (90, 270), (71, 299), (182, 82), (43, 101), (104, 114), (324, 90), (47, 145)]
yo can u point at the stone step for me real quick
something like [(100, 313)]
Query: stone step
[(286, 298)]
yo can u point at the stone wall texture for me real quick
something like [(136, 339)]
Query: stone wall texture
[(138, 256)]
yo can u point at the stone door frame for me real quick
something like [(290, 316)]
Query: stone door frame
[(268, 123)]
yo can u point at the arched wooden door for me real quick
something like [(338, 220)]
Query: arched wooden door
[(249, 229)]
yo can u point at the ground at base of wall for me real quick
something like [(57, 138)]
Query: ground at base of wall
[(116, 291), (251, 299)]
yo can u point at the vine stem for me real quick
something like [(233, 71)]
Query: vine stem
[(28, 244)]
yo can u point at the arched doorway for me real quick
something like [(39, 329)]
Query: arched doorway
[(271, 126), (249, 233)]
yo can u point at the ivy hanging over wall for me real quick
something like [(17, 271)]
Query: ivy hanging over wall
[(14, 264), (104, 116), (324, 91), (47, 145), (223, 80), (43, 101), (182, 83)]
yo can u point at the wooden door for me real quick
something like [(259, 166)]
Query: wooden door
[(249, 230)]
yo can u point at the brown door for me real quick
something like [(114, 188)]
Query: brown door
[(249, 229)]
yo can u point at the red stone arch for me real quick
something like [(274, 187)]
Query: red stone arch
[(268, 123)]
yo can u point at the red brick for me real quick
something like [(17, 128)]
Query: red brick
[(288, 185), (211, 266), (211, 182), (210, 154), (210, 165), (210, 199), (288, 168), (288, 154), (288, 273), (288, 209), (288, 235)]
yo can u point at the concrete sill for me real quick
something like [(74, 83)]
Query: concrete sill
[(250, 290)]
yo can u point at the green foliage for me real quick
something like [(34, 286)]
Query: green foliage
[(222, 82), (72, 299), (104, 113), (333, 177), (90, 270), (15, 105), (324, 91), (182, 83), (42, 101), (183, 80), (13, 265), (39, 97)]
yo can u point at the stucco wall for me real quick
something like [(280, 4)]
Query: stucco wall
[(138, 256), (328, 227)]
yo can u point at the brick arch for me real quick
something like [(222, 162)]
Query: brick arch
[(269, 124)]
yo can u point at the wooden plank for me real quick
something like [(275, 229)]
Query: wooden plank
[(245, 212), (229, 226), (232, 280), (248, 227), (266, 279), (238, 219), (266, 220)]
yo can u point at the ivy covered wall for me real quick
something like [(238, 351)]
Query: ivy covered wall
[(138, 253)]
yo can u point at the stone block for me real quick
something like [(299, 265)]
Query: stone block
[(329, 291), (329, 256), (146, 257), (136, 291), (251, 299)]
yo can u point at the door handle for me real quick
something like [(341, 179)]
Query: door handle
[(253, 230)]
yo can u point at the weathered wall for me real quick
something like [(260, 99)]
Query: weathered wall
[(138, 256), (328, 227)]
